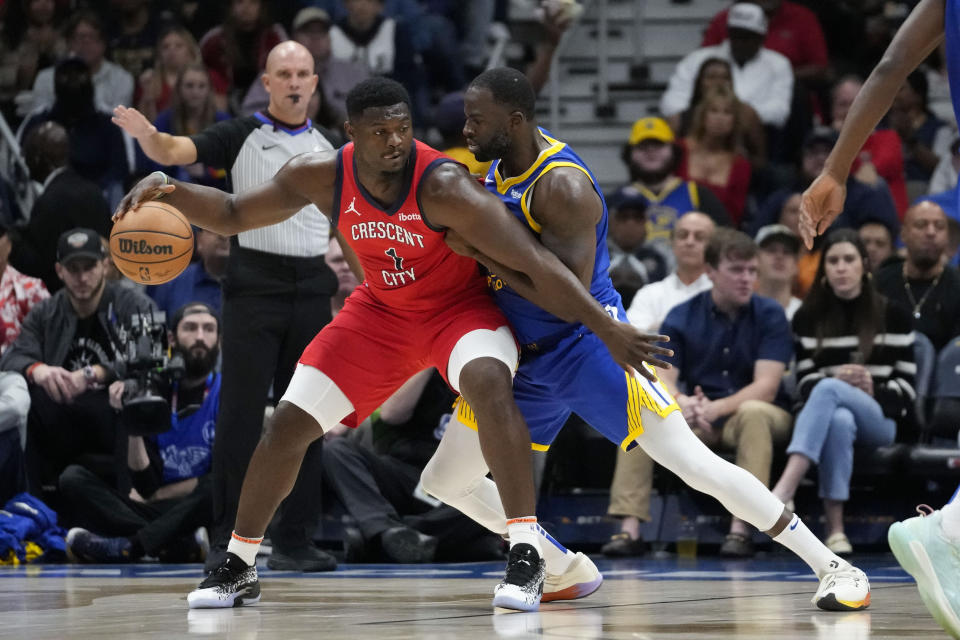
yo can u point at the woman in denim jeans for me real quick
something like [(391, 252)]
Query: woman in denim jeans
[(855, 370)]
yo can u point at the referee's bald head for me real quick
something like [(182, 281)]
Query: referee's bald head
[(290, 80), (287, 52)]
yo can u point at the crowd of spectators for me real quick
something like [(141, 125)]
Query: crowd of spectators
[(780, 351)]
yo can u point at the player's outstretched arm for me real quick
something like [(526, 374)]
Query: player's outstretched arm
[(227, 214), (451, 199), (162, 148), (920, 34)]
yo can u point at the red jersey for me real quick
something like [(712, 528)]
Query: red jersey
[(406, 263)]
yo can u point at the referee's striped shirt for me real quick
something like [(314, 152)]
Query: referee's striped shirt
[(252, 149)]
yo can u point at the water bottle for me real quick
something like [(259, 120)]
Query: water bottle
[(687, 538)]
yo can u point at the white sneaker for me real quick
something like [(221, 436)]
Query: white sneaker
[(845, 588), (579, 580)]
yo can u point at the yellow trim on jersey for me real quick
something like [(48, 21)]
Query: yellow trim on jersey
[(525, 199), (465, 416), (668, 188), (503, 185), (694, 195), (643, 393)]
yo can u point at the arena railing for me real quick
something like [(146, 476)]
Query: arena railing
[(14, 171)]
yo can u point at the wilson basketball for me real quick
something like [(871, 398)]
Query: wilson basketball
[(152, 244)]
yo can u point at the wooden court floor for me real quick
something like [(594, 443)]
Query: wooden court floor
[(640, 600)]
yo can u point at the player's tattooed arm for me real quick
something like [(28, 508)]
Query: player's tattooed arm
[(450, 198), (304, 179)]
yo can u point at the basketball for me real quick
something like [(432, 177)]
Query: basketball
[(152, 244)]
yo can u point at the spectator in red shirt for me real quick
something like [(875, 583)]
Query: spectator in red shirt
[(792, 30), (18, 294), (237, 49), (882, 153), (711, 151)]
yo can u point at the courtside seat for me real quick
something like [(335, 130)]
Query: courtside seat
[(933, 462), (880, 462)]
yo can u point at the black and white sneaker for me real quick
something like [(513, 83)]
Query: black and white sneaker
[(522, 586), (231, 584)]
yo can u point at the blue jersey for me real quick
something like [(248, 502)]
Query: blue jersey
[(187, 447), (535, 328), (566, 368), (951, 25)]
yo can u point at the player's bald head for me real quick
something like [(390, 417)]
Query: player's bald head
[(290, 53)]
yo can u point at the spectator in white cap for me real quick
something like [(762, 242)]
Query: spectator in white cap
[(778, 251), (761, 77)]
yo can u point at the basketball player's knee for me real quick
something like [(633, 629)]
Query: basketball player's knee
[(290, 429), (485, 382)]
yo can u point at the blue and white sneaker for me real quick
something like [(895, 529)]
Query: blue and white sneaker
[(84, 546), (522, 586), (934, 561), (232, 584)]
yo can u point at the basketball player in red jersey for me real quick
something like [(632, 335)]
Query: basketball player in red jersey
[(391, 199)]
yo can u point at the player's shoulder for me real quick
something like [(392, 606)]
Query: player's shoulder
[(566, 183), (446, 178), (311, 167)]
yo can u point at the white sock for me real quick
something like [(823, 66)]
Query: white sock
[(244, 548), (796, 537), (526, 530), (950, 522), (557, 556)]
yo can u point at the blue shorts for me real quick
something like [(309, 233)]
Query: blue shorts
[(578, 375)]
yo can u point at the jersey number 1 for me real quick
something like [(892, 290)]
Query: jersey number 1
[(397, 260)]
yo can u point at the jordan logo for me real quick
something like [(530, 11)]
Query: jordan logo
[(351, 208), (397, 260)]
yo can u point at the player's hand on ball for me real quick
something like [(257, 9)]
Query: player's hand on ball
[(822, 202), (133, 122), (154, 186)]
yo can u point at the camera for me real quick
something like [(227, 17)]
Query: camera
[(148, 367)]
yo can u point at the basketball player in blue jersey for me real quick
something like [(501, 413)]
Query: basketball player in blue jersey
[(565, 368), (927, 546)]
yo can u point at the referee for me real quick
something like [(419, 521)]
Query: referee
[(276, 295)]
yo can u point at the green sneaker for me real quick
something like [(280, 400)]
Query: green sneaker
[(923, 551)]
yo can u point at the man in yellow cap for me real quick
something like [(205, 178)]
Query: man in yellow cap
[(652, 157)]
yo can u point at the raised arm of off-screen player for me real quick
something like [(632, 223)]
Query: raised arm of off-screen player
[(920, 34)]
